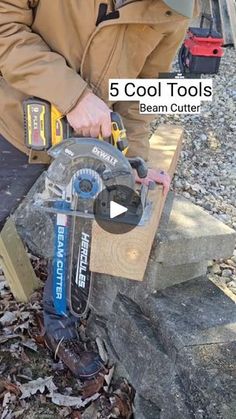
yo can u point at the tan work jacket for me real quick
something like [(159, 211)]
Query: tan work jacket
[(55, 49)]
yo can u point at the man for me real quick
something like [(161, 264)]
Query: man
[(65, 51)]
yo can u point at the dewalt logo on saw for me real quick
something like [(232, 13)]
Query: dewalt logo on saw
[(104, 156)]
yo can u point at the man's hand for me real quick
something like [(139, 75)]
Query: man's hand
[(90, 117), (157, 176)]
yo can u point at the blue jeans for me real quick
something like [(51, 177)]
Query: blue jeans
[(58, 326)]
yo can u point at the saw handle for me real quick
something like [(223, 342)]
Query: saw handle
[(139, 165), (118, 133)]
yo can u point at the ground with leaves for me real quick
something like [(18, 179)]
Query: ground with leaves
[(35, 385)]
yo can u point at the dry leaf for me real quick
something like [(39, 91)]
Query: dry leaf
[(101, 350), (10, 387), (93, 386), (121, 406), (90, 412), (8, 318), (108, 378), (15, 349), (23, 326), (121, 400), (30, 344), (2, 284), (6, 414), (7, 399), (65, 412), (70, 401), (4, 339), (77, 415), (24, 315), (18, 413), (41, 384)]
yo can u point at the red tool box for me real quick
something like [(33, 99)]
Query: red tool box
[(202, 50)]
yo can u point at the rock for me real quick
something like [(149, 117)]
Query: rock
[(232, 284), (234, 259), (224, 265), (231, 263), (178, 184), (145, 409), (207, 206), (216, 269), (226, 272), (224, 217), (186, 195), (203, 137)]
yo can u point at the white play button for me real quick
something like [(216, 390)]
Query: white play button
[(116, 209)]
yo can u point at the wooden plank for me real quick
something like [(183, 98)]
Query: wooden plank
[(15, 264), (215, 12), (225, 23), (127, 255), (231, 4)]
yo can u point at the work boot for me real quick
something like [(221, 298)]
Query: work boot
[(85, 365)]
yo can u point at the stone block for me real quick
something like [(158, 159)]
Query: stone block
[(144, 409), (192, 235), (208, 375), (160, 276), (192, 313), (196, 324), (150, 370), (178, 349)]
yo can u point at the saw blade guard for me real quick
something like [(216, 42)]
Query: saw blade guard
[(81, 169), (75, 153)]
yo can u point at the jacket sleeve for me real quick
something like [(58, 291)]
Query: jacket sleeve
[(28, 64), (159, 61)]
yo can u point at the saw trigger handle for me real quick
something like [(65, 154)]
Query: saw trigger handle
[(118, 133), (139, 165)]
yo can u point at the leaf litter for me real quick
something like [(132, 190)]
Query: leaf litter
[(30, 380)]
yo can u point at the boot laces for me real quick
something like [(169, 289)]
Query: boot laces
[(70, 345)]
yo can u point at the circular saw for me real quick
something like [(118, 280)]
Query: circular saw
[(82, 169)]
